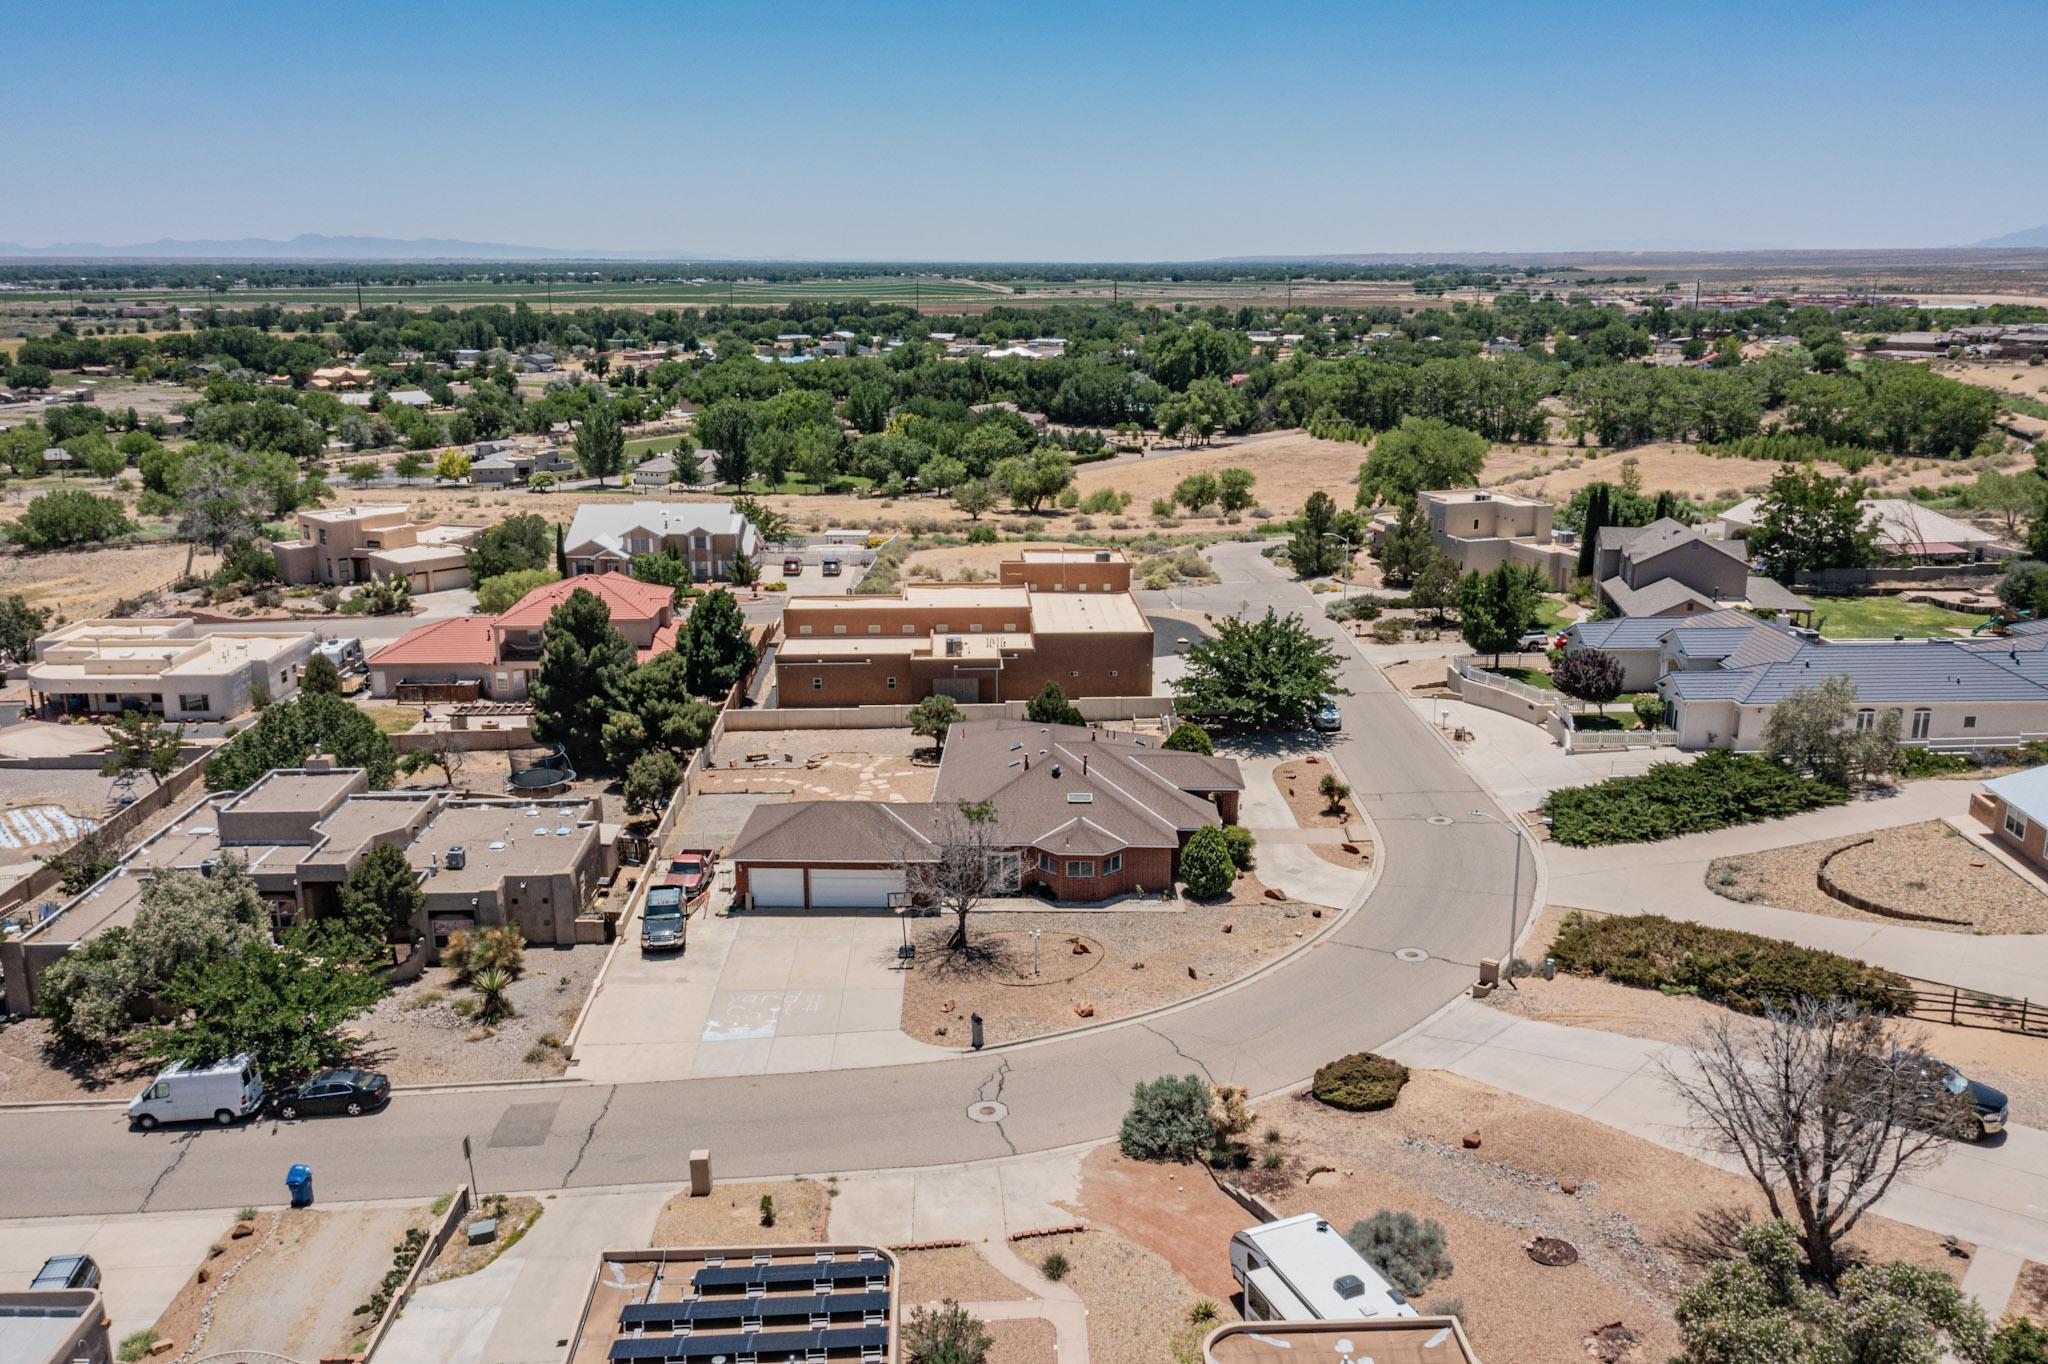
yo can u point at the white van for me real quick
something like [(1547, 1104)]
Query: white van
[(1300, 1269), (222, 1092)]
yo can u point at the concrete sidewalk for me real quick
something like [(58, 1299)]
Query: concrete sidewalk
[(1520, 763), (1282, 847), (1992, 1193), (1671, 878)]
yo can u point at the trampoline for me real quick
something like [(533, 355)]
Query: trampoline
[(544, 768)]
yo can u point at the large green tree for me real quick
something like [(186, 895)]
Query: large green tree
[(518, 544), (20, 626), (1496, 609), (69, 517), (1808, 520), (289, 733), (1258, 675), (1314, 550), (381, 897), (600, 443), (584, 667), (715, 647), (283, 1004), (140, 742), (1420, 455)]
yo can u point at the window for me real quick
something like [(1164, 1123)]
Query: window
[(817, 684), (1113, 864), (1923, 720), (803, 629), (975, 628), (194, 701), (909, 629), (839, 629), (1073, 673), (1059, 587), (1969, 722), (2015, 824), (1010, 627), (874, 629), (1081, 869), (1865, 719), (1047, 863), (892, 684), (940, 627), (323, 535)]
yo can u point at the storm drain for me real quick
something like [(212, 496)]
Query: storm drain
[(988, 1111), (1439, 820)]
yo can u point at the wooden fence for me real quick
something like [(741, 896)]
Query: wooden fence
[(1932, 1001)]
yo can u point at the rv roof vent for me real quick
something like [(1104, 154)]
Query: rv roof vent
[(1101, 556), (1349, 1286)]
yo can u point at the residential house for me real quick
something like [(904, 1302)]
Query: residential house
[(496, 657), (1668, 568), (2015, 810), (410, 397), (1481, 530), (1080, 815), (708, 536), (342, 545), (468, 359), (302, 831), (502, 462), (1643, 644), (163, 665), (1906, 530), (1389, 1340), (1052, 619), (340, 376)]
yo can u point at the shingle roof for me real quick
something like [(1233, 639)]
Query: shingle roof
[(1653, 599), (628, 598), (1643, 542), (1768, 594), (457, 640), (836, 831), (1891, 673)]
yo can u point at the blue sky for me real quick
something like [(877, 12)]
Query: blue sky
[(1048, 131)]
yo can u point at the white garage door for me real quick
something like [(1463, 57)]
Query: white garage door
[(840, 889), (776, 886)]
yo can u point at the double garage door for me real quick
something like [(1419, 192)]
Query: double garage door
[(831, 887)]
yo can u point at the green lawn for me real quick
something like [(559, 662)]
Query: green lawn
[(1551, 616), (1538, 678), (1883, 617)]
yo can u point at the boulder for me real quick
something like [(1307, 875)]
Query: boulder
[(1228, 927), (241, 1229), (1085, 1009), (1275, 893), (1470, 1141)]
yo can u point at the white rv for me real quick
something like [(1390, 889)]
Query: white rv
[(221, 1092), (1301, 1269)]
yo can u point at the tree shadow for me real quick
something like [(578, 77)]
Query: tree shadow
[(1711, 1236)]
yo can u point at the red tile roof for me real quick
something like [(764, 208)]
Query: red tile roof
[(664, 640), (628, 598), (459, 639)]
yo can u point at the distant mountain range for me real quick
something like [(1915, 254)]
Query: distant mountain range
[(312, 246), (2033, 236)]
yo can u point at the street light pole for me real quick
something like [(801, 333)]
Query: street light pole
[(1507, 965)]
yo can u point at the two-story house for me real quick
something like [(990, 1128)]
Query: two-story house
[(342, 545), (708, 536), (1668, 568)]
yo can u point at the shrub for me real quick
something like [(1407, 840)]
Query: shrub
[(1744, 971), (1168, 1120), (1205, 864), (1921, 762), (2019, 1341), (946, 1334), (767, 1210), (1388, 630), (135, 1345), (1238, 840), (1359, 1083), (982, 535), (1649, 710), (1189, 737), (1054, 1266), (1410, 1253), (1719, 790), (1353, 608)]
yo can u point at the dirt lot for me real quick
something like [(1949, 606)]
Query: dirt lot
[(1135, 960), (1555, 472), (1926, 869), (1289, 465), (417, 1035), (956, 1272), (828, 776), (1023, 1342), (298, 1297), (2008, 1061), (33, 1070), (2030, 1295), (1138, 1306), (82, 583), (1642, 1217), (730, 1215)]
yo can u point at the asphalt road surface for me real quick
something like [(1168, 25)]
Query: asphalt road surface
[(1444, 888)]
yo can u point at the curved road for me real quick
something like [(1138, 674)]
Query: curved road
[(1444, 888)]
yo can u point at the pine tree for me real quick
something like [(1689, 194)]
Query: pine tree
[(584, 665)]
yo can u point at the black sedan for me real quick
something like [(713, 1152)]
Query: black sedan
[(335, 1091)]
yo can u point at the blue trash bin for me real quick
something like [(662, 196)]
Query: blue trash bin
[(299, 1180)]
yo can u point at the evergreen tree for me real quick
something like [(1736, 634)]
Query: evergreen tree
[(715, 648), (584, 666)]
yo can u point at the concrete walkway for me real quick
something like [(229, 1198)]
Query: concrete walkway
[(1670, 878), (516, 1309), (1283, 852), (1992, 1193), (1520, 763)]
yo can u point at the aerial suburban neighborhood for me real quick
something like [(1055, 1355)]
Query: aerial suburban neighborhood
[(899, 754)]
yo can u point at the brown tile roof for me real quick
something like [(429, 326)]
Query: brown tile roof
[(457, 640), (628, 598)]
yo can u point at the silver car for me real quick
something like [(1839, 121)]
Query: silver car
[(1327, 717)]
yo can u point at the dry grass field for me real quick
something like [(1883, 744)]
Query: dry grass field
[(1556, 472)]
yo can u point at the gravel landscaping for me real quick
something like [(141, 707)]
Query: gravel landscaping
[(418, 1034), (2030, 1294), (1136, 959), (730, 1215), (1023, 1342), (1138, 1307), (1926, 869), (956, 1272), (298, 1297)]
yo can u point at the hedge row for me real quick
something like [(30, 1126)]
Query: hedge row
[(1743, 971), (1719, 790)]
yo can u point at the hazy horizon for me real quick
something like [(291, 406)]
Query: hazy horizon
[(926, 133)]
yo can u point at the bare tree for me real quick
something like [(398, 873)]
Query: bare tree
[(1825, 1110), (440, 751), (966, 864)]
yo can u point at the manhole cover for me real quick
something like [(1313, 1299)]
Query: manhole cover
[(1439, 820), (1548, 1250), (1410, 954), (988, 1112)]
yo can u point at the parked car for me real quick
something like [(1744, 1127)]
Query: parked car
[(830, 568), (1988, 1107), (1539, 641), (690, 871), (68, 1271), (223, 1091), (661, 920), (792, 566), (1327, 718), (335, 1091)]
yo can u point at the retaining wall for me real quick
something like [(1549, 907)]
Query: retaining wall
[(1093, 708)]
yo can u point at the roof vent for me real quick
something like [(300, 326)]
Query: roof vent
[(1055, 771), (1080, 797)]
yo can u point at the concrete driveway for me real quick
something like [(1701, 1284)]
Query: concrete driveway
[(144, 1258)]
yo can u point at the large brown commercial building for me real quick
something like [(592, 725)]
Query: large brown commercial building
[(1056, 617)]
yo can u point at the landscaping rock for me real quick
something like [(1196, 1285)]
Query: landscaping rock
[(1275, 893), (1351, 848), (161, 1346), (1085, 1009), (1080, 948), (240, 1230), (1567, 1186), (1470, 1141), (1228, 927)]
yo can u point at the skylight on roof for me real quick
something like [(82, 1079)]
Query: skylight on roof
[(1080, 797)]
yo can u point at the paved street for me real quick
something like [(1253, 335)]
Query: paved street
[(1443, 889)]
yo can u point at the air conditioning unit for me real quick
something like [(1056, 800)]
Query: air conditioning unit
[(457, 858)]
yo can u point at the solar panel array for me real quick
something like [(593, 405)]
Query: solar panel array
[(725, 1296)]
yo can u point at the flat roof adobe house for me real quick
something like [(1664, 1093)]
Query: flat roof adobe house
[(342, 545), (301, 831), (1054, 617), (707, 536), (163, 665), (1481, 529), (497, 656), (1085, 814)]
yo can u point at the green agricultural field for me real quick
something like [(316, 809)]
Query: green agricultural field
[(1883, 617)]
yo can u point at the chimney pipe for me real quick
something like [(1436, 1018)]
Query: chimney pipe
[(1027, 762), (1084, 764)]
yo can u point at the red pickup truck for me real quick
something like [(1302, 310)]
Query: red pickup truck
[(690, 871)]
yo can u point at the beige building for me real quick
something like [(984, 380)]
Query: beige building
[(1082, 629), (163, 665), (301, 831), (1481, 530), (708, 536), (342, 545)]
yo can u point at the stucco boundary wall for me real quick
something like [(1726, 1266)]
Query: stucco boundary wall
[(1898, 576), (118, 825), (1098, 708), (1476, 687)]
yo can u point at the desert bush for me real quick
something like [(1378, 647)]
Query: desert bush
[(1353, 608), (1744, 971), (1359, 1083), (1168, 1120), (1054, 1266), (1389, 630), (946, 1334), (1409, 1252), (1721, 789), (1238, 840)]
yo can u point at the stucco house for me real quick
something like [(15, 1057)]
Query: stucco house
[(708, 536)]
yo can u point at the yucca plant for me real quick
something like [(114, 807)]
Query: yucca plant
[(490, 985)]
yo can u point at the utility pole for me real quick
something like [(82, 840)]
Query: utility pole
[(359, 295)]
